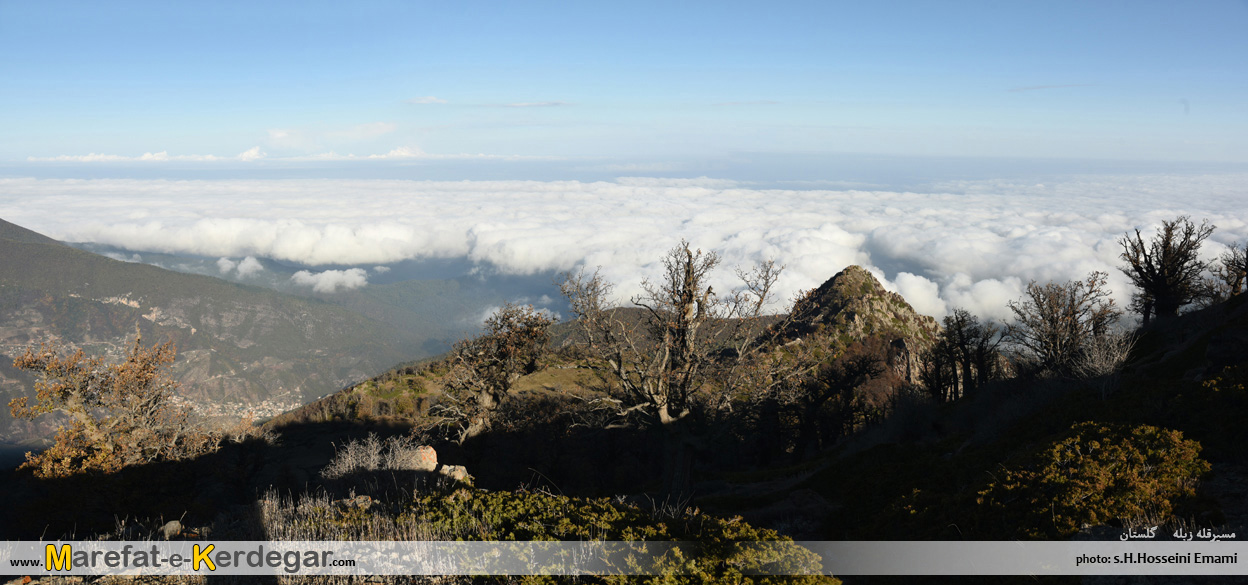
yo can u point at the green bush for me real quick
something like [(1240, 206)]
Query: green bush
[(1093, 474)]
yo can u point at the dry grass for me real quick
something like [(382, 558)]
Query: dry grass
[(319, 517), (398, 453)]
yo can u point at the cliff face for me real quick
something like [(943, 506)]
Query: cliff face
[(853, 305)]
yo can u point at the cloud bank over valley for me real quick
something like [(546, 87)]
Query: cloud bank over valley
[(972, 244)]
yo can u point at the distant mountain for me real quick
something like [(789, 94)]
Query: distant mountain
[(438, 300), (239, 347)]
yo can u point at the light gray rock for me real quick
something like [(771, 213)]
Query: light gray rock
[(172, 529), (456, 472)]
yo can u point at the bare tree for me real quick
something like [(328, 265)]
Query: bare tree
[(689, 351), (963, 358), (939, 371), (1166, 269), (1103, 357), (1232, 268), (1055, 322), (484, 368)]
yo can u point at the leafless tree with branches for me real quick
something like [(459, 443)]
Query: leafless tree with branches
[(1232, 268), (963, 358), (1055, 321), (691, 350)]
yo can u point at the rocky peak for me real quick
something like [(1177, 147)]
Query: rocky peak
[(853, 305)]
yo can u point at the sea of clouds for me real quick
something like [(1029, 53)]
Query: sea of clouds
[(972, 244)]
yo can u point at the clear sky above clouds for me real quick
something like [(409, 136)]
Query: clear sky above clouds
[(258, 82), (957, 149)]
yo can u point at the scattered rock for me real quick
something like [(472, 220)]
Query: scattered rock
[(362, 503), (456, 472)]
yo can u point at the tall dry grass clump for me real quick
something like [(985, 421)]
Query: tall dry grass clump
[(397, 453)]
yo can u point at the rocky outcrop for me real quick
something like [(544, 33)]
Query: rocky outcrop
[(854, 306)]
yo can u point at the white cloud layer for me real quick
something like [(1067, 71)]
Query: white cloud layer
[(972, 244), (330, 281)]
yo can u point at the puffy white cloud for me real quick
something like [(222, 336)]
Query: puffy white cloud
[(381, 269), (923, 294), (246, 267), (330, 281), (972, 244), (541, 305), (249, 266), (251, 154)]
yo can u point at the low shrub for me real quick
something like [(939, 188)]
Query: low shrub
[(722, 551), (1093, 474)]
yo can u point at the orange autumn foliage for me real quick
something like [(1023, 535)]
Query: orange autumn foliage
[(119, 414)]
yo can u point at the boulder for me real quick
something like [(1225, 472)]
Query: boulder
[(426, 458), (172, 529), (456, 472)]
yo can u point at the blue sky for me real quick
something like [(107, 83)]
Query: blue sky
[(622, 81)]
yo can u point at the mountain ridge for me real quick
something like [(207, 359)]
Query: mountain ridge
[(16, 233)]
